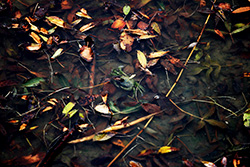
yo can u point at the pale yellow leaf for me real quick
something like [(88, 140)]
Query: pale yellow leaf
[(142, 58), (157, 54)]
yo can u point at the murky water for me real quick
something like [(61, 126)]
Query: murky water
[(203, 119)]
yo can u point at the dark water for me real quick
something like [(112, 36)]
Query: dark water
[(211, 95)]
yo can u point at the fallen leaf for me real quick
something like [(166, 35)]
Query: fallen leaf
[(118, 24), (157, 54), (57, 53), (35, 37), (151, 108), (34, 46), (168, 66), (126, 9), (56, 20), (87, 27), (86, 53), (66, 4), (156, 27), (167, 149), (68, 107), (136, 31), (216, 123), (103, 109), (147, 36), (103, 136), (126, 41), (134, 164), (241, 9), (142, 58), (83, 13), (218, 32), (208, 164), (118, 142), (177, 62)]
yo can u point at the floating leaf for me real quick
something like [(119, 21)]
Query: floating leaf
[(57, 53), (242, 9), (167, 149), (103, 136), (126, 9), (68, 107), (156, 27), (142, 58), (216, 123), (118, 24), (103, 109), (157, 54)]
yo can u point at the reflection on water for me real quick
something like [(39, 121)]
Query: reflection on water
[(71, 69)]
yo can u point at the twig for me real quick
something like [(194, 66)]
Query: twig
[(185, 111), (189, 56), (242, 107), (117, 156), (50, 67)]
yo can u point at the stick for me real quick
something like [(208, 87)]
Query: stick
[(117, 156), (198, 40)]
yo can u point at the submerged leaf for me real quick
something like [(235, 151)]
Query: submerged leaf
[(33, 82), (217, 72), (216, 123), (197, 70), (240, 29)]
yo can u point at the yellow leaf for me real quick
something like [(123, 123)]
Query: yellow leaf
[(47, 108), (56, 20), (83, 13), (34, 46), (157, 54), (57, 53), (35, 37), (147, 36), (142, 58), (156, 27), (167, 149), (68, 107)]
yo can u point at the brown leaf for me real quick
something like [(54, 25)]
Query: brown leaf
[(142, 25), (118, 142), (150, 108), (87, 27), (151, 82), (86, 53), (216, 123), (146, 152), (175, 61), (168, 66), (218, 32), (66, 4), (242, 9), (200, 125), (126, 41), (152, 62), (118, 24)]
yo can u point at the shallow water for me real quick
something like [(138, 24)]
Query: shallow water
[(211, 95)]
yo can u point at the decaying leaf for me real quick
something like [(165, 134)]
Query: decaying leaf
[(66, 4), (156, 27), (242, 9), (153, 62), (47, 108), (142, 25), (175, 61), (103, 109), (216, 123), (168, 66), (126, 42), (83, 13), (167, 149), (147, 36), (87, 27), (157, 54), (86, 53), (142, 58), (151, 108), (136, 31), (57, 21), (118, 24), (208, 164), (146, 152)]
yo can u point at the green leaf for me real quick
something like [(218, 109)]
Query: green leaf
[(209, 71), (103, 136), (126, 9), (246, 118), (62, 80), (68, 107), (33, 82), (197, 70), (216, 123), (72, 112), (216, 72), (198, 56), (240, 29), (228, 26)]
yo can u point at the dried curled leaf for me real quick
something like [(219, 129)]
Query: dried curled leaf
[(86, 53), (126, 41), (142, 58)]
